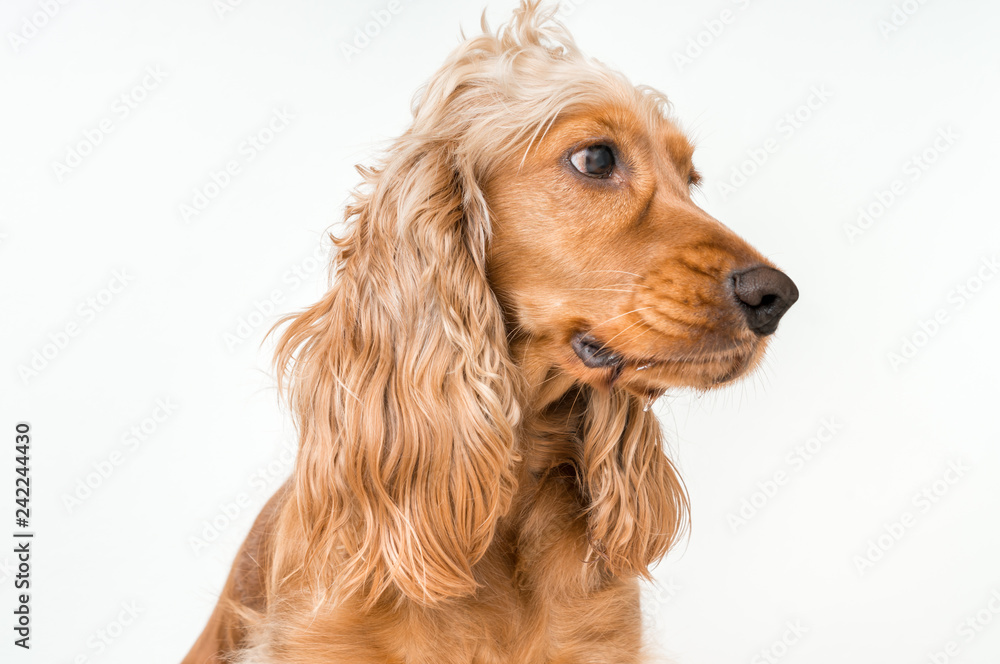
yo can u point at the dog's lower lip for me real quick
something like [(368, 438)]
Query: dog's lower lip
[(739, 364), (595, 354)]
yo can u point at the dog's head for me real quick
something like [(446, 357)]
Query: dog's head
[(602, 261), (533, 226), (606, 265)]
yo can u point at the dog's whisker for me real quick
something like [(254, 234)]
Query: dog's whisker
[(627, 284), (620, 332), (632, 274), (617, 317), (609, 290)]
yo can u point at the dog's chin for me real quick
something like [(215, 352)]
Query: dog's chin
[(650, 376)]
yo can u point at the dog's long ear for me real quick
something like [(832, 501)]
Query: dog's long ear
[(638, 506), (404, 393)]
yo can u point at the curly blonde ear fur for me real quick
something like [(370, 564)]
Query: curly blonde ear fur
[(638, 506), (403, 390)]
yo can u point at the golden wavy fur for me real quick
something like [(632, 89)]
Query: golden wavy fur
[(479, 478)]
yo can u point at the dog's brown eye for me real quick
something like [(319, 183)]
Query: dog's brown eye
[(595, 160)]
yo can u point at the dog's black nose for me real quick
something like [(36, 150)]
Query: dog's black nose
[(764, 295)]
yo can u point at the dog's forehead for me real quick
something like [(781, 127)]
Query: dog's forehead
[(632, 122)]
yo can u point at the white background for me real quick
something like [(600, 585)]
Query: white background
[(732, 590)]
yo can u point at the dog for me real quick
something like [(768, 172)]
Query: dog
[(479, 475)]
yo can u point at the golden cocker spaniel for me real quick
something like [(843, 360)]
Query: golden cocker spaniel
[(479, 478)]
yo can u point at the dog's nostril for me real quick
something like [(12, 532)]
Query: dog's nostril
[(764, 295)]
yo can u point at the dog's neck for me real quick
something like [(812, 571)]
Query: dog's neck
[(545, 382), (552, 407)]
